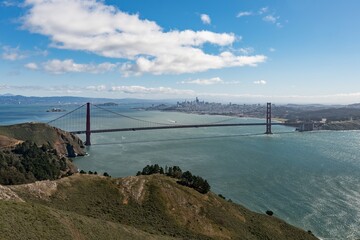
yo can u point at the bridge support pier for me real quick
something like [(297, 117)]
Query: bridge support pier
[(88, 129), (268, 118)]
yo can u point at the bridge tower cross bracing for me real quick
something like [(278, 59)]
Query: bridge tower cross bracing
[(88, 126), (268, 118)]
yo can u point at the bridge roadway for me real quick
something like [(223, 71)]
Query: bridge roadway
[(176, 126)]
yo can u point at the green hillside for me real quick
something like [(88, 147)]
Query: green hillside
[(41, 133), (154, 207)]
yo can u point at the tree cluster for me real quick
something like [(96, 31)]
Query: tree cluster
[(185, 178), (105, 174), (28, 163), (195, 182), (151, 169)]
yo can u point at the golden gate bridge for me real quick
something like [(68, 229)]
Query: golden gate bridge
[(90, 118)]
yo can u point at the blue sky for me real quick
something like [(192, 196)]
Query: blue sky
[(236, 50)]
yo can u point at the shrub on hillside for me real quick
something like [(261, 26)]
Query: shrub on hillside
[(185, 179), (269, 212)]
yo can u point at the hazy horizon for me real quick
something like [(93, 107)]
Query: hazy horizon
[(183, 99)]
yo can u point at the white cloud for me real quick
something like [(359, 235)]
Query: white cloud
[(261, 82), (205, 19), (56, 66), (194, 61), (146, 90), (244, 14), (53, 89), (210, 81), (15, 53), (272, 49), (12, 54), (263, 10), (4, 87), (10, 3), (92, 26), (64, 89), (270, 18), (273, 19), (99, 88), (32, 66), (247, 50)]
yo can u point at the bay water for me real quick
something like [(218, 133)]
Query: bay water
[(309, 179)]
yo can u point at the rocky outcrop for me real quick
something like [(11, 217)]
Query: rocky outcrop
[(8, 195), (69, 144), (8, 142)]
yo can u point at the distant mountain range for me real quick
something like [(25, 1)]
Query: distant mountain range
[(18, 99)]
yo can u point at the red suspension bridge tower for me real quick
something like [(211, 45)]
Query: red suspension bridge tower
[(88, 128), (268, 118)]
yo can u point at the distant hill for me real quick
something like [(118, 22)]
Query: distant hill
[(142, 207), (18, 99), (331, 114)]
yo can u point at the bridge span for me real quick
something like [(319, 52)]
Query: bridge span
[(158, 126)]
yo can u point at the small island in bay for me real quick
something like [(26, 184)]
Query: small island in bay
[(56, 110)]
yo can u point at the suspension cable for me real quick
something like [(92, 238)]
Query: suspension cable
[(66, 114), (132, 118)]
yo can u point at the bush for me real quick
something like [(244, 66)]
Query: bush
[(220, 195), (186, 178), (269, 212)]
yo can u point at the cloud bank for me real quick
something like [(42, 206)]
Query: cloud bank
[(145, 90), (92, 26), (209, 81), (260, 82), (57, 66)]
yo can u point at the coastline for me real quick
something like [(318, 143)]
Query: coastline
[(332, 126)]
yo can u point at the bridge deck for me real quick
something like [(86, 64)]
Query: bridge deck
[(175, 126)]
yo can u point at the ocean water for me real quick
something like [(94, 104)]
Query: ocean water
[(310, 179)]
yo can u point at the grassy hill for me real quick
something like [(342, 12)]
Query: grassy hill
[(153, 207), (41, 133)]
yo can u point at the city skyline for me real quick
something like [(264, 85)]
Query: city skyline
[(242, 51)]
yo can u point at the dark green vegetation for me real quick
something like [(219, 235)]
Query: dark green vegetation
[(185, 178), (42, 134), (28, 163), (36, 151), (85, 206)]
